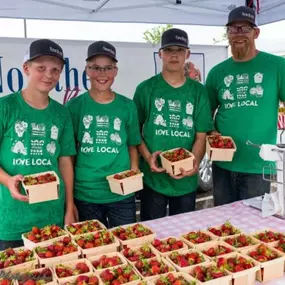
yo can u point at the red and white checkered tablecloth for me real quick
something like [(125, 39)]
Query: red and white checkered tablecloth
[(243, 217)]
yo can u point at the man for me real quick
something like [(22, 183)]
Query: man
[(244, 91), (173, 112)]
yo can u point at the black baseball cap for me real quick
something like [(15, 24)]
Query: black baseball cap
[(44, 47), (101, 48), (242, 14), (174, 37)]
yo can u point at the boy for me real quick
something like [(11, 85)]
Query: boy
[(173, 112), (36, 135), (107, 133)]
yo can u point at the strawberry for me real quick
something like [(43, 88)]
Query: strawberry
[(208, 273), (167, 245), (234, 264), (131, 232), (152, 267), (218, 141), (119, 275), (126, 174), (269, 236)]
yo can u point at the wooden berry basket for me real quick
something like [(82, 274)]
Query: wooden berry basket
[(42, 192), (72, 279), (262, 231), (160, 259), (86, 253), (245, 277), (194, 245), (254, 242), (31, 245), (174, 167), (225, 280), (269, 270), (126, 185), (138, 247), (71, 264), (220, 154), (214, 244), (110, 254), (26, 266), (102, 227), (164, 254), (49, 262), (136, 241), (188, 268), (53, 282), (185, 275)]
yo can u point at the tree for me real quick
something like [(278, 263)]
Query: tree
[(223, 37), (153, 35)]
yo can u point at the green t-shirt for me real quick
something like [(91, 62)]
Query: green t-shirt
[(103, 133), (31, 141), (170, 117), (247, 95)]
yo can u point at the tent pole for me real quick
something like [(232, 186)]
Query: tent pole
[(25, 28)]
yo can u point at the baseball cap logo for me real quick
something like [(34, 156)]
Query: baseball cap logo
[(247, 15), (180, 38), (108, 50), (55, 50)]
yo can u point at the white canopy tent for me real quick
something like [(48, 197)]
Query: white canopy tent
[(187, 12)]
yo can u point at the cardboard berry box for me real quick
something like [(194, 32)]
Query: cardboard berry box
[(173, 167), (90, 226), (187, 277), (43, 276), (271, 269), (122, 185), (54, 252), (240, 276), (172, 242), (45, 189), (241, 241), (128, 235), (216, 248), (11, 260), (199, 237), (89, 244), (223, 280), (107, 256), (220, 153), (83, 266), (187, 254), (38, 237)]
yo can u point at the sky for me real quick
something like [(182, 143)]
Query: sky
[(121, 31)]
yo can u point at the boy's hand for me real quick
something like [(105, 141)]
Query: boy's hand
[(70, 216), (214, 133), (13, 185), (152, 161), (184, 173)]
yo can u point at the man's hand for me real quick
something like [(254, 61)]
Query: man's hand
[(152, 161), (184, 173), (13, 185), (71, 216)]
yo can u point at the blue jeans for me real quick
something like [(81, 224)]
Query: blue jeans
[(154, 204), (4, 244), (230, 186), (110, 214)]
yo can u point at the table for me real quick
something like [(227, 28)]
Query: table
[(243, 217)]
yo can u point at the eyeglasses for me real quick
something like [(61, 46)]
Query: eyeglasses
[(173, 50), (106, 69), (242, 29)]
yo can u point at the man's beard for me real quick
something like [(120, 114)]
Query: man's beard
[(238, 51)]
